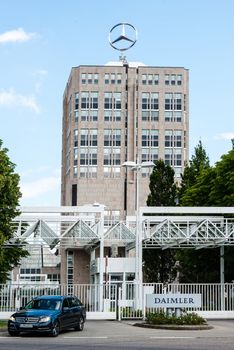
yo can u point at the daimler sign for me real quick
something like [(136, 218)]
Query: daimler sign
[(173, 300)]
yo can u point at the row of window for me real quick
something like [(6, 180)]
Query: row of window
[(112, 101), (112, 164), (116, 78), (116, 116), (112, 138), (112, 157)]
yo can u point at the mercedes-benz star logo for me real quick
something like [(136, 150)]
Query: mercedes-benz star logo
[(126, 39)]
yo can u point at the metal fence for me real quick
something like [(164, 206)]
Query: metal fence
[(96, 298), (123, 301)]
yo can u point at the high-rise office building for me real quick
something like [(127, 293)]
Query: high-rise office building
[(115, 113)]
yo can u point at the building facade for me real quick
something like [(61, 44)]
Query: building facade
[(115, 113)]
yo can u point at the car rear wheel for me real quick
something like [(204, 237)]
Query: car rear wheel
[(80, 324), (56, 329), (13, 333)]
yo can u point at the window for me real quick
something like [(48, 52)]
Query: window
[(173, 116), (88, 171), (108, 100), (117, 100), (168, 101), (179, 79), (83, 78), (89, 100), (173, 138), (76, 107), (149, 154), (173, 101), (144, 79), (177, 138), (84, 100), (76, 116), (88, 156), (173, 79), (119, 78), (112, 100), (177, 101), (149, 79), (167, 79), (112, 137), (70, 267), (112, 78), (75, 137), (90, 78), (156, 79), (145, 101), (107, 78), (112, 156), (154, 101), (149, 138), (88, 137)]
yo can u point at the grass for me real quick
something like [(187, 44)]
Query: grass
[(3, 323)]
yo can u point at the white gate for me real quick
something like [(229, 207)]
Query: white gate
[(217, 298), (100, 300), (128, 301)]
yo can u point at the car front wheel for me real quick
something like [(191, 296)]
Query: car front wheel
[(13, 333), (80, 324), (56, 329)]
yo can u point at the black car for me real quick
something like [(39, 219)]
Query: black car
[(48, 314)]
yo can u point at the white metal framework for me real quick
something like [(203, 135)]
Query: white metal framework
[(172, 227)]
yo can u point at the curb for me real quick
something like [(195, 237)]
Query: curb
[(174, 327)]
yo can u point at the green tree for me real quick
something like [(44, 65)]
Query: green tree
[(158, 264), (163, 190), (198, 162), (10, 254), (214, 186), (222, 191)]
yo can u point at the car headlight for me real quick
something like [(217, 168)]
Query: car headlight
[(44, 319), (12, 318)]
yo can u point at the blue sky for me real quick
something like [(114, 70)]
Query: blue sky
[(40, 40)]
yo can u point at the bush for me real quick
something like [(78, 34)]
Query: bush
[(185, 319)]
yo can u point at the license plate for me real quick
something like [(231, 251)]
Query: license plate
[(24, 325)]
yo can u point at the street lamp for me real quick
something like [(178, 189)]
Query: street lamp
[(138, 267)]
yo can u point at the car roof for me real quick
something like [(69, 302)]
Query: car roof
[(56, 297)]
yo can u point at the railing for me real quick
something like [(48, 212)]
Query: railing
[(216, 297), (14, 296)]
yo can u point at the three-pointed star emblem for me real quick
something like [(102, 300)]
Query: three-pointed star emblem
[(122, 38)]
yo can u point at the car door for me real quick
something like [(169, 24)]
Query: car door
[(66, 317), (75, 309)]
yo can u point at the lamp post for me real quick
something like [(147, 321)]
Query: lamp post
[(138, 265)]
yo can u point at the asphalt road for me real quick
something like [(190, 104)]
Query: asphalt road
[(122, 335)]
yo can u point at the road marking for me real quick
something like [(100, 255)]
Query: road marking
[(172, 337), (85, 337)]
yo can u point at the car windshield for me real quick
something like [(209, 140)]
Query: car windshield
[(44, 304)]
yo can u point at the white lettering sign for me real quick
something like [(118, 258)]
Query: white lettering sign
[(173, 300)]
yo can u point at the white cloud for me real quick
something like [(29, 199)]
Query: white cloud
[(15, 35), (40, 75), (12, 99), (41, 72), (41, 169), (225, 136), (36, 188)]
